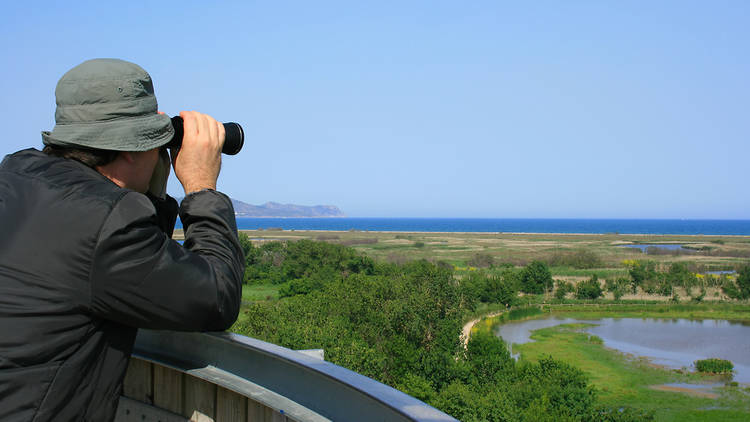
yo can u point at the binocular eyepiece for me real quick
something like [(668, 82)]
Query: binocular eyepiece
[(233, 140)]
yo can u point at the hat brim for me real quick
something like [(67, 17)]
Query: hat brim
[(140, 133)]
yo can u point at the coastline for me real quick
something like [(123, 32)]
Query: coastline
[(488, 233), (529, 226)]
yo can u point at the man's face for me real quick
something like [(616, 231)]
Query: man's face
[(144, 163)]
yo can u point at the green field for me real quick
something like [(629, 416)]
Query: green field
[(712, 252)]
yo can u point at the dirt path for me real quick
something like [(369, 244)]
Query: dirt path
[(466, 332)]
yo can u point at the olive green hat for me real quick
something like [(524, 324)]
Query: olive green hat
[(108, 104)]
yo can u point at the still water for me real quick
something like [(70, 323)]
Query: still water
[(674, 343), (668, 246)]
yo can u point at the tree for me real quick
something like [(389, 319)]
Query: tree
[(536, 278), (743, 282), (642, 272), (488, 357), (589, 289), (563, 288), (503, 288)]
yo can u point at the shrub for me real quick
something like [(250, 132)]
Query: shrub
[(481, 260), (618, 286), (743, 282), (679, 274), (581, 258), (536, 278), (699, 298), (589, 289), (714, 366), (739, 289), (642, 272), (419, 244), (563, 288)]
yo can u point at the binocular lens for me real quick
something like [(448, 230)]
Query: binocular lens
[(233, 140)]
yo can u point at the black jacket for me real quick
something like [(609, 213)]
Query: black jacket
[(83, 264)]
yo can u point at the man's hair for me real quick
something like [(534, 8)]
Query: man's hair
[(90, 157)]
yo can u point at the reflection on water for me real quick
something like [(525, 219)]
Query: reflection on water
[(674, 343)]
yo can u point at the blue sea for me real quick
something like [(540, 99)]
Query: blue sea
[(511, 225)]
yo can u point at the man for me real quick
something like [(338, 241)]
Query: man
[(86, 256)]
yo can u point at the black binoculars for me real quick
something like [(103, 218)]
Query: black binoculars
[(233, 140)]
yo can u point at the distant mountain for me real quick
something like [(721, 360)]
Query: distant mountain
[(274, 209)]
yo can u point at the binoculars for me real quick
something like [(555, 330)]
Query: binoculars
[(233, 140)]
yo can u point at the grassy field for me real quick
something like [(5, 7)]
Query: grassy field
[(602, 255), (713, 252), (256, 292)]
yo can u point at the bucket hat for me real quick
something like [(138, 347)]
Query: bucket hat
[(108, 104)]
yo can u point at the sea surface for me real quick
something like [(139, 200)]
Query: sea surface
[(508, 225)]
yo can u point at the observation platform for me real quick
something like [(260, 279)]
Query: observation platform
[(203, 377)]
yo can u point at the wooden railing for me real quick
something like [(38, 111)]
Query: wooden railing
[(220, 377)]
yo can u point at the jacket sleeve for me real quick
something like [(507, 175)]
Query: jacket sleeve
[(142, 278), (166, 212)]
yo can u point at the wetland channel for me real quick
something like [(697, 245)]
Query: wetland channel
[(672, 343)]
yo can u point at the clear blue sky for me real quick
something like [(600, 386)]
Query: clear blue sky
[(590, 109)]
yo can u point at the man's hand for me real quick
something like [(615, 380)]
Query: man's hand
[(198, 161)]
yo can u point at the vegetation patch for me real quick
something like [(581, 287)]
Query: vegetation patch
[(400, 321), (714, 366), (628, 382)]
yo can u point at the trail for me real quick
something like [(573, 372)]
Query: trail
[(466, 332)]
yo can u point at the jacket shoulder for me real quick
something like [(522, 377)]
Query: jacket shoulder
[(132, 208)]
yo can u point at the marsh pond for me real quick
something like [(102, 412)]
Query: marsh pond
[(673, 343)]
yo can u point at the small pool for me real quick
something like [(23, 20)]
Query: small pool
[(665, 246)]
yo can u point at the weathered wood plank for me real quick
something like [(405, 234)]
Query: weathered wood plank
[(200, 396), (230, 406), (168, 389), (269, 414), (138, 384), (255, 411), (278, 417), (130, 410)]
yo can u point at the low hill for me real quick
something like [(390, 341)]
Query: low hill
[(275, 209)]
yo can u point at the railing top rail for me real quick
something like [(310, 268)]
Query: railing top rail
[(322, 387)]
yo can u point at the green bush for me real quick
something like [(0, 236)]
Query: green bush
[(581, 258), (481, 260), (618, 286), (589, 289), (743, 282), (642, 273), (536, 278), (563, 288), (714, 366)]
